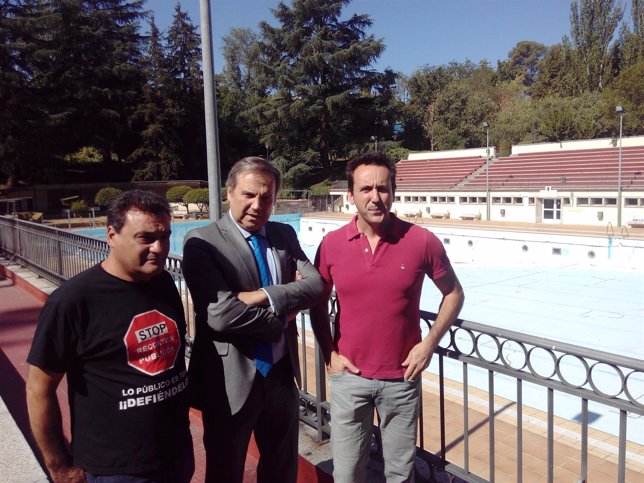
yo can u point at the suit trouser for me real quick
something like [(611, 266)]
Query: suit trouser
[(353, 401), (271, 411)]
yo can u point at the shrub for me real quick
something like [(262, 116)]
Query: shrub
[(398, 153), (105, 195), (176, 194), (198, 196), (298, 176), (322, 188), (78, 206)]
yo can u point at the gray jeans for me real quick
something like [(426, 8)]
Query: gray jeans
[(353, 401)]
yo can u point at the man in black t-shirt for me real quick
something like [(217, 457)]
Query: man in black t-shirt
[(117, 331)]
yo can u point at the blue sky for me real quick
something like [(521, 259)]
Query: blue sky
[(415, 32)]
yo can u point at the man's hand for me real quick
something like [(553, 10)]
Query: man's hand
[(338, 364), (68, 474), (418, 360)]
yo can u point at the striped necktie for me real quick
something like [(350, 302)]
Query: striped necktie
[(263, 350)]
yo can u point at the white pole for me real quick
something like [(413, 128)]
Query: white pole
[(487, 172), (619, 173)]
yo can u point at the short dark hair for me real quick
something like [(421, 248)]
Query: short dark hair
[(254, 164), (141, 200), (372, 157)]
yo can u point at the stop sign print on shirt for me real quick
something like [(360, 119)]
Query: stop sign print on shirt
[(152, 342)]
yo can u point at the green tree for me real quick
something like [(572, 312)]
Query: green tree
[(632, 41), (184, 102), (319, 71), (593, 24), (453, 120), (78, 62), (176, 195), (515, 123), (12, 84), (421, 90), (557, 73), (170, 116), (523, 61), (556, 120), (199, 197), (26, 140), (105, 195), (239, 89), (78, 207), (627, 91), (157, 155)]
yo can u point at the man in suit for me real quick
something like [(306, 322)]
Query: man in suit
[(248, 278)]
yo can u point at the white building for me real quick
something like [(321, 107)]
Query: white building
[(571, 182)]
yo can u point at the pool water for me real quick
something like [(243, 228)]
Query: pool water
[(180, 229)]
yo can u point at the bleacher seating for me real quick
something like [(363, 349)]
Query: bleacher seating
[(578, 169), (435, 174)]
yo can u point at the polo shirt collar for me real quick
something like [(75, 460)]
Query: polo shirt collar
[(395, 232)]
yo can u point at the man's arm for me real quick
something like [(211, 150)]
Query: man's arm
[(46, 425), (297, 293), (320, 322), (225, 312), (453, 297)]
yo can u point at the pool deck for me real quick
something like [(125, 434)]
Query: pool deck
[(513, 226)]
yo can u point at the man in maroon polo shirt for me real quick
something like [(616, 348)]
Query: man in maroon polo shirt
[(375, 358)]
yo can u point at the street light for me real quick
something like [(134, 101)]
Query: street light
[(620, 111), (487, 169)]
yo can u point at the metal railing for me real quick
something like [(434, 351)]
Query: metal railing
[(475, 367)]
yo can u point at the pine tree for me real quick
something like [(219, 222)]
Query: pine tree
[(156, 157), (184, 93), (79, 61), (319, 71)]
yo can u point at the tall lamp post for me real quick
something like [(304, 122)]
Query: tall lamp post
[(210, 113), (487, 169), (620, 111)]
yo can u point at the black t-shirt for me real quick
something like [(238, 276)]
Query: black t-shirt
[(122, 346)]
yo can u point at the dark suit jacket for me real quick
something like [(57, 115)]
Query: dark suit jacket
[(217, 264)]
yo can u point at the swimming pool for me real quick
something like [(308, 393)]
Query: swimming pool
[(179, 230)]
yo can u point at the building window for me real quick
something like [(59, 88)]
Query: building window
[(518, 201), (397, 199), (610, 201), (496, 200), (531, 200), (507, 200), (582, 201), (462, 199), (450, 199), (480, 199), (630, 202), (596, 201), (566, 201)]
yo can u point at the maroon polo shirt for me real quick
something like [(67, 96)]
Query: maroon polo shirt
[(379, 293)]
